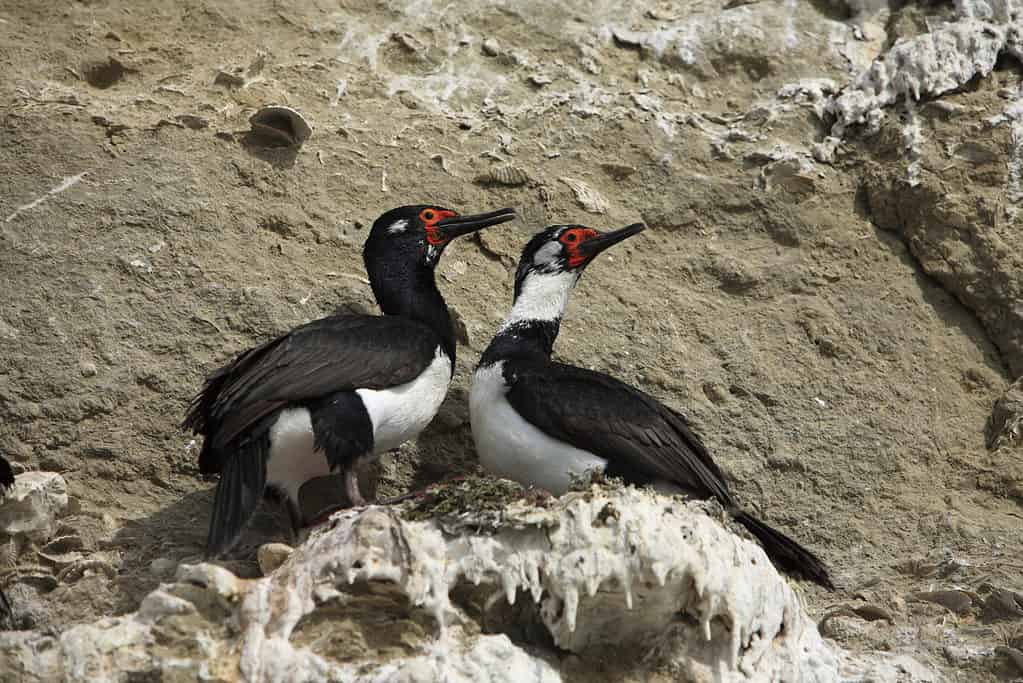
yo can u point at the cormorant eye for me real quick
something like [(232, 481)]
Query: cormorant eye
[(571, 237), (428, 215)]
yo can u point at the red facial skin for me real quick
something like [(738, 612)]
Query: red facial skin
[(572, 239), (430, 218)]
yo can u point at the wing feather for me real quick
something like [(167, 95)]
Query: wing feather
[(323, 357), (641, 438)]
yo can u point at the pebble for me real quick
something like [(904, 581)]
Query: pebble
[(163, 566), (272, 555), (87, 368), (953, 600), (33, 506), (491, 47)]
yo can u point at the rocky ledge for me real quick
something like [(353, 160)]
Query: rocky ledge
[(517, 588)]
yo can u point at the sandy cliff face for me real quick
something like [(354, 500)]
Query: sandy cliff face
[(830, 287)]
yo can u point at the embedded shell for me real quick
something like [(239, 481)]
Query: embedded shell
[(510, 176), (282, 124)]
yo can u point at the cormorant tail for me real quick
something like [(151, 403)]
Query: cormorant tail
[(784, 552), (241, 486)]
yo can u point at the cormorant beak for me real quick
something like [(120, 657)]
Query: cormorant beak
[(593, 246), (453, 227)]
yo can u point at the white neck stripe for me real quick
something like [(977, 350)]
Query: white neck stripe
[(543, 297)]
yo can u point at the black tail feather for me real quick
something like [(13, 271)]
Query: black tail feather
[(241, 487), (6, 613), (786, 554), (6, 474)]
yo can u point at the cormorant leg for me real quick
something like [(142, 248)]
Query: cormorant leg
[(352, 488), (295, 518)]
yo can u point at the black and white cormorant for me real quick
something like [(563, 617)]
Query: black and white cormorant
[(6, 484), (331, 393), (544, 423)]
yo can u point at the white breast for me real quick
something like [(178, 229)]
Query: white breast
[(292, 458), (510, 447), (402, 412), (398, 414)]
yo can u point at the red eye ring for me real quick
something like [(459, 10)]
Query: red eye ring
[(428, 215), (571, 237)]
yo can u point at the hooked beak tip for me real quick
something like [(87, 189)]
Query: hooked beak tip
[(609, 239)]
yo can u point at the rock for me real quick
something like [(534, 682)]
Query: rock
[(491, 48), (953, 230), (1002, 605), (1005, 428), (272, 555), (593, 579), (926, 65), (752, 39), (587, 197), (956, 601), (162, 567), (32, 507)]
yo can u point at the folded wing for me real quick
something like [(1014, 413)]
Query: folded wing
[(326, 356), (642, 439)]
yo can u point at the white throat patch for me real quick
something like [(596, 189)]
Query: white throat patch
[(397, 226), (543, 297)]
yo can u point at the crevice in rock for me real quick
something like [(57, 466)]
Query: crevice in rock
[(864, 206)]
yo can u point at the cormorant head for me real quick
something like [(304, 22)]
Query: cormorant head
[(563, 251), (419, 233)]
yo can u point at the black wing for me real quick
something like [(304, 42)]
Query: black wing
[(642, 439), (6, 474), (338, 353)]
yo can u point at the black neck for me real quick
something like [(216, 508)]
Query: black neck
[(412, 292), (523, 339)]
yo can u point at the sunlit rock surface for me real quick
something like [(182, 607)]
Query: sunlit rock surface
[(627, 570)]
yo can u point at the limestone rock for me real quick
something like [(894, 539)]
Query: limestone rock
[(594, 580), (927, 65), (32, 507), (1006, 426), (272, 555)]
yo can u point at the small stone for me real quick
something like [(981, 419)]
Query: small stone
[(955, 601), (272, 555), (32, 507), (618, 171), (1003, 605), (962, 656), (715, 393), (160, 603), (491, 48), (7, 331), (87, 368), (163, 566), (587, 197), (214, 579), (192, 121)]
